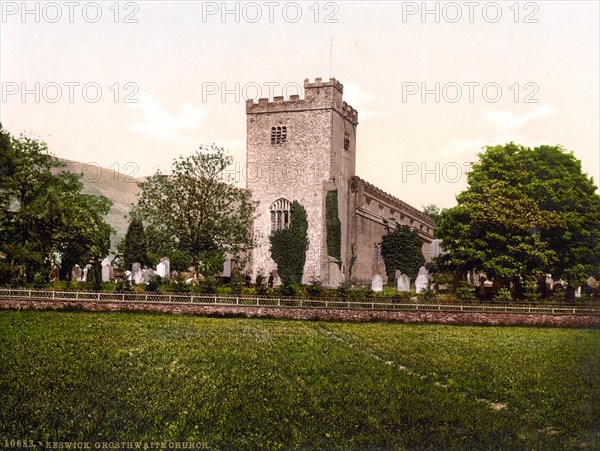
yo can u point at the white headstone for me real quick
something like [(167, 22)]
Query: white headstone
[(127, 275), (422, 280), (377, 283), (87, 268), (163, 268), (403, 283), (107, 273), (136, 272), (76, 273)]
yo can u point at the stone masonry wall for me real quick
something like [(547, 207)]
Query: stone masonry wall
[(320, 314)]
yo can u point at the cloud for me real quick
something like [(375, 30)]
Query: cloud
[(507, 120), (501, 127), (164, 125), (359, 99)]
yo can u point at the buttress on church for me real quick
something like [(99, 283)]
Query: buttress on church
[(301, 149)]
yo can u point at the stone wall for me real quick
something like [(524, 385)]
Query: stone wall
[(373, 210), (321, 314)]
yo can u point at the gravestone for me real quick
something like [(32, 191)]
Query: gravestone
[(76, 273), (87, 268), (147, 274), (54, 273), (127, 276), (136, 272), (403, 283), (163, 268), (422, 280), (107, 270), (377, 283)]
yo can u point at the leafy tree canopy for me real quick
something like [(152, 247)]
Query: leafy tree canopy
[(193, 210), (43, 212), (525, 211)]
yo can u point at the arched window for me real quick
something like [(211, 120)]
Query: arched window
[(280, 214)]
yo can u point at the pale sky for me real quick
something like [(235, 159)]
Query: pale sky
[(501, 71)]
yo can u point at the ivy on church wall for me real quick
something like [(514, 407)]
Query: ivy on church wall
[(334, 226), (289, 246), (402, 250)]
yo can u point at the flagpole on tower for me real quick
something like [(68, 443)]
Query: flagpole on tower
[(330, 54)]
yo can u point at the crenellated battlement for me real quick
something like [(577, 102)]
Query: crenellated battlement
[(319, 83), (350, 113), (317, 95)]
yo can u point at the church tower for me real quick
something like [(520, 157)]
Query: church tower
[(299, 150)]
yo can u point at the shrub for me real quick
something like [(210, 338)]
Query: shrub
[(402, 250), (464, 292), (342, 291), (154, 283), (207, 286), (289, 246), (428, 294), (530, 292), (315, 289), (503, 295), (287, 290), (334, 226)]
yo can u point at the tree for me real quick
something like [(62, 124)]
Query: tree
[(43, 212), (526, 211), (134, 244), (402, 250), (193, 210), (289, 246), (432, 211)]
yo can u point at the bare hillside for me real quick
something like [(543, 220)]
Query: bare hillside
[(117, 186)]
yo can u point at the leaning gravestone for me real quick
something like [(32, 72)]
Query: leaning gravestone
[(147, 274), (422, 280), (377, 283), (403, 283), (136, 272), (76, 273)]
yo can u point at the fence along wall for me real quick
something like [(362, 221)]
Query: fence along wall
[(304, 309)]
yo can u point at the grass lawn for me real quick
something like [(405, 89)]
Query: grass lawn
[(247, 383)]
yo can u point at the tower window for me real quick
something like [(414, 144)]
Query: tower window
[(278, 134), (346, 141), (280, 214)]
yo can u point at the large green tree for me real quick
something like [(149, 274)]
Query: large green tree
[(402, 250), (43, 212), (525, 211), (193, 210), (289, 246)]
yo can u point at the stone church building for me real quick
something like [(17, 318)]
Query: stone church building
[(301, 149)]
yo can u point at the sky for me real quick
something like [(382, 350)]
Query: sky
[(132, 85)]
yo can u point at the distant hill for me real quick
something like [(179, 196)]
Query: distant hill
[(117, 186)]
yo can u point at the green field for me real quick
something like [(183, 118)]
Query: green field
[(244, 383)]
